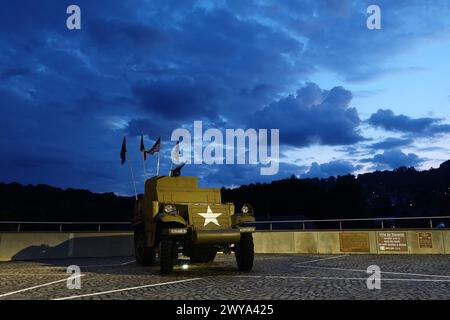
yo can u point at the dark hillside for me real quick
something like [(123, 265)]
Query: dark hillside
[(401, 192)]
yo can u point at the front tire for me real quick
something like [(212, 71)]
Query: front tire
[(167, 256), (244, 252), (145, 256)]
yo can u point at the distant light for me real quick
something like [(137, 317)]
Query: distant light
[(185, 266)]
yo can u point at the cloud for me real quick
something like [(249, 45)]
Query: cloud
[(390, 143), (386, 119), (152, 127), (15, 72), (391, 159), (37, 161), (313, 116), (235, 175), (178, 98), (154, 66), (337, 37), (330, 169), (112, 31)]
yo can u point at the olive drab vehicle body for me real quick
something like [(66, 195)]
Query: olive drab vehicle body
[(175, 216)]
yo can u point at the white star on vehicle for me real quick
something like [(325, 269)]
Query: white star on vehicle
[(210, 217)]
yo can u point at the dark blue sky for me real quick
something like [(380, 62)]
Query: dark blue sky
[(346, 99)]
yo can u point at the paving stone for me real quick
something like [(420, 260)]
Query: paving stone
[(273, 277)]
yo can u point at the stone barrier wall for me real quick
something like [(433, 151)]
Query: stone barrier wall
[(48, 245), (354, 242), (55, 245)]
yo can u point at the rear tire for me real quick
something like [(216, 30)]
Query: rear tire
[(167, 256), (145, 255), (244, 252)]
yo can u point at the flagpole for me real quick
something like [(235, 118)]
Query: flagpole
[(123, 158), (157, 164), (176, 155), (143, 155), (171, 164), (159, 153), (143, 165), (132, 179)]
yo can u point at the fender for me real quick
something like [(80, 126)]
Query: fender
[(238, 219), (169, 218)]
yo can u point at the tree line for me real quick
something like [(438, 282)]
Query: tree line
[(400, 192)]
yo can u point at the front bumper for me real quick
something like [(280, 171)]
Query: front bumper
[(219, 236), (216, 236)]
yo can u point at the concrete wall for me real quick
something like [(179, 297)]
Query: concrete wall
[(329, 242), (39, 245)]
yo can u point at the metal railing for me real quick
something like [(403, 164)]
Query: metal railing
[(270, 225), (342, 224), (63, 225)]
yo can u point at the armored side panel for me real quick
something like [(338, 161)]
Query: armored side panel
[(178, 190)]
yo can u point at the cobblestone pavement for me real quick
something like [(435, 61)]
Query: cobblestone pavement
[(273, 277)]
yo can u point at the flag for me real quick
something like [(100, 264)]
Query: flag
[(123, 151), (143, 147), (155, 147), (176, 153)]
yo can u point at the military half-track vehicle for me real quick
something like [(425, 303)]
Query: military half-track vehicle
[(175, 216)]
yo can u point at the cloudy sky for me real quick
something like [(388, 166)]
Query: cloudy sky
[(345, 98)]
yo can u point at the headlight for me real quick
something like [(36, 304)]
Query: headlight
[(168, 208), (247, 209)]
